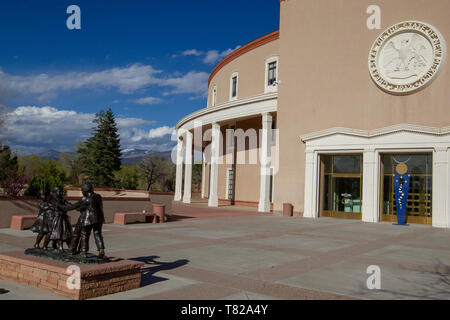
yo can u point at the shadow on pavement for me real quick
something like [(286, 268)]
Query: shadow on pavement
[(436, 288), (175, 217), (147, 273), (3, 291)]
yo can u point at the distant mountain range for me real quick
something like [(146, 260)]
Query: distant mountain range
[(50, 154), (129, 156), (134, 156)]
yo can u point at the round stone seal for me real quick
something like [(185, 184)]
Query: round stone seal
[(406, 57)]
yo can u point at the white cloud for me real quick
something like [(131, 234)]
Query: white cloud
[(127, 80), (33, 128), (148, 100), (192, 82), (212, 56), (160, 132), (192, 52)]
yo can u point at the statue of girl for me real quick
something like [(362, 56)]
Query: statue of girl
[(43, 224), (61, 228)]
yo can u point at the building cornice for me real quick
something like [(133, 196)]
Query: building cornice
[(275, 35), (377, 132), (228, 105)]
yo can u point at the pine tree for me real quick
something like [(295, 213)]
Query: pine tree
[(8, 163), (100, 155)]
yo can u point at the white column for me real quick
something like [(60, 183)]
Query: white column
[(179, 172), (440, 187), (203, 174), (310, 209), (264, 191), (371, 187), (188, 169), (213, 200)]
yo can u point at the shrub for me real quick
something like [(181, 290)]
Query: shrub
[(43, 183)]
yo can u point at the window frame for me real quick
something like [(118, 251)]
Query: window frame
[(271, 88), (213, 96), (234, 75)]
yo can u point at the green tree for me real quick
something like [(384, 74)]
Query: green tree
[(127, 177), (8, 163), (72, 166), (168, 184), (34, 166), (12, 177), (46, 183), (100, 155)]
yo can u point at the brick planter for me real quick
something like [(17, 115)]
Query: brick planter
[(159, 210), (287, 210), (95, 280)]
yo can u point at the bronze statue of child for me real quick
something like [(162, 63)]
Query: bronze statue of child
[(91, 219), (43, 224), (61, 228)]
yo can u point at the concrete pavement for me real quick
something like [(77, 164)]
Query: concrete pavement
[(236, 253)]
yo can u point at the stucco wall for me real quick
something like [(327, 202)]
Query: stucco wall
[(247, 174), (251, 79), (324, 48)]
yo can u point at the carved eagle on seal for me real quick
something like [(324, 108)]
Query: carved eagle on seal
[(405, 58)]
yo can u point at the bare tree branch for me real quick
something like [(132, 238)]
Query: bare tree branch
[(153, 169)]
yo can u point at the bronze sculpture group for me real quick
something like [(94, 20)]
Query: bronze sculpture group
[(53, 222)]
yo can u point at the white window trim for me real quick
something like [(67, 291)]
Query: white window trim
[(213, 96), (234, 74), (268, 61)]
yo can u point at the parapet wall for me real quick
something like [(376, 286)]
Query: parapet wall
[(20, 206)]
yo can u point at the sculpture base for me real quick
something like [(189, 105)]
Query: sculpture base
[(96, 280), (65, 256)]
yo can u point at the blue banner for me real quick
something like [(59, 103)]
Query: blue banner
[(401, 188)]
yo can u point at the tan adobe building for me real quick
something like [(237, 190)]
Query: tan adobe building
[(324, 111)]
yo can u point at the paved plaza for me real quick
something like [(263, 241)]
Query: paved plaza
[(236, 253)]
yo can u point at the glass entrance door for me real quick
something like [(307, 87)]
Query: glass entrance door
[(341, 186), (419, 167), (346, 194)]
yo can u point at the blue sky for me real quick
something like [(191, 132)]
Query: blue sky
[(147, 60)]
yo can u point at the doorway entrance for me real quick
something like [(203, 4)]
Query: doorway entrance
[(419, 167), (341, 186)]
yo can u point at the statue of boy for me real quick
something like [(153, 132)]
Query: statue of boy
[(91, 218)]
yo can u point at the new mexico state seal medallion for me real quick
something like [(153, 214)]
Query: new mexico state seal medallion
[(406, 57)]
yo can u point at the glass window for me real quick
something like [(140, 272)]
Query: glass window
[(234, 87), (417, 163), (342, 183), (214, 95), (327, 162), (346, 164), (272, 73)]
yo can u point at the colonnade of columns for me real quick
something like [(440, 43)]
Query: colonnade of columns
[(185, 150)]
